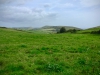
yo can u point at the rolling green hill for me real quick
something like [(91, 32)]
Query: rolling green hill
[(94, 28), (58, 27), (46, 29), (54, 29), (89, 30), (23, 53)]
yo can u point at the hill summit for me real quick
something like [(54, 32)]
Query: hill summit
[(57, 28)]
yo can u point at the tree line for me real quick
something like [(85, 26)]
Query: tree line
[(63, 30)]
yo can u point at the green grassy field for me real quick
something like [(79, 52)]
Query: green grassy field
[(23, 53)]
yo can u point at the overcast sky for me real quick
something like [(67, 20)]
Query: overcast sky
[(37, 13)]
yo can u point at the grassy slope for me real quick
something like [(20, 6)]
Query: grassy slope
[(89, 30), (55, 29), (23, 53), (41, 31), (94, 28), (45, 29), (58, 27)]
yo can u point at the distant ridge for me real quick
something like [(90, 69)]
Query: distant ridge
[(57, 28), (45, 29), (94, 28), (52, 29)]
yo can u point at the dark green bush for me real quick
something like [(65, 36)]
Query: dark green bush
[(72, 30), (63, 30), (95, 32)]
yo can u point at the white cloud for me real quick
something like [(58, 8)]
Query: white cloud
[(47, 5), (68, 5), (65, 5), (24, 14), (45, 12), (90, 3)]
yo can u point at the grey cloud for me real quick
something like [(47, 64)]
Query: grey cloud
[(89, 3), (52, 16), (24, 14), (5, 1), (2, 2), (38, 10), (14, 13), (47, 5)]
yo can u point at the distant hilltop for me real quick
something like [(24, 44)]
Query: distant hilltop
[(54, 29), (58, 27), (94, 28), (46, 29)]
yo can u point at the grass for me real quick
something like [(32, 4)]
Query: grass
[(89, 30), (23, 53)]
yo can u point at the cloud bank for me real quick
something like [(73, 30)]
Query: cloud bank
[(36, 13)]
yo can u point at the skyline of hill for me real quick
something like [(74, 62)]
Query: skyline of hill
[(53, 29)]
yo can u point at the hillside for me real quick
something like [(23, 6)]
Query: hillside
[(94, 28), (89, 30), (46, 29), (53, 29), (57, 28), (23, 53)]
